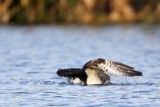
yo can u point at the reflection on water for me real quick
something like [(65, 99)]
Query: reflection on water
[(30, 57)]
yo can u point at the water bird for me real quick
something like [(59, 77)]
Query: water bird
[(98, 71)]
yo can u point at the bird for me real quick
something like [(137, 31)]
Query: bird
[(98, 71)]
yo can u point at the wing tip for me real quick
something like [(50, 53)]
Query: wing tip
[(135, 73), (139, 73)]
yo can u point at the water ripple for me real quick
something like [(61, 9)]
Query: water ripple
[(30, 57)]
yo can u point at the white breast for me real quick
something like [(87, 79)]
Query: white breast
[(92, 77)]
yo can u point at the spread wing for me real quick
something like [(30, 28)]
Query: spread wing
[(113, 68)]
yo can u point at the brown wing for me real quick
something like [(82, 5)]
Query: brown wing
[(127, 70), (113, 68), (120, 69)]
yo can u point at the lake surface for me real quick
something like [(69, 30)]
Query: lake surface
[(30, 57)]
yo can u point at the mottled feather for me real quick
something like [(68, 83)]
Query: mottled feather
[(101, 69)]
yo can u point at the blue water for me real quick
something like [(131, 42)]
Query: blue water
[(30, 57)]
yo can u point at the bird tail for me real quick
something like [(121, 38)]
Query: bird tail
[(71, 72)]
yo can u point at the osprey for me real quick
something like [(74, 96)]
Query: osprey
[(98, 71)]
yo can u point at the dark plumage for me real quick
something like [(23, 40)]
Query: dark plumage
[(73, 73), (98, 71)]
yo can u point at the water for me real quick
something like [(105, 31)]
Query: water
[(30, 57)]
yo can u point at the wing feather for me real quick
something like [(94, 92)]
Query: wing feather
[(113, 68), (119, 69)]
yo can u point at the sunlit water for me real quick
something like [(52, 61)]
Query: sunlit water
[(30, 57)]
